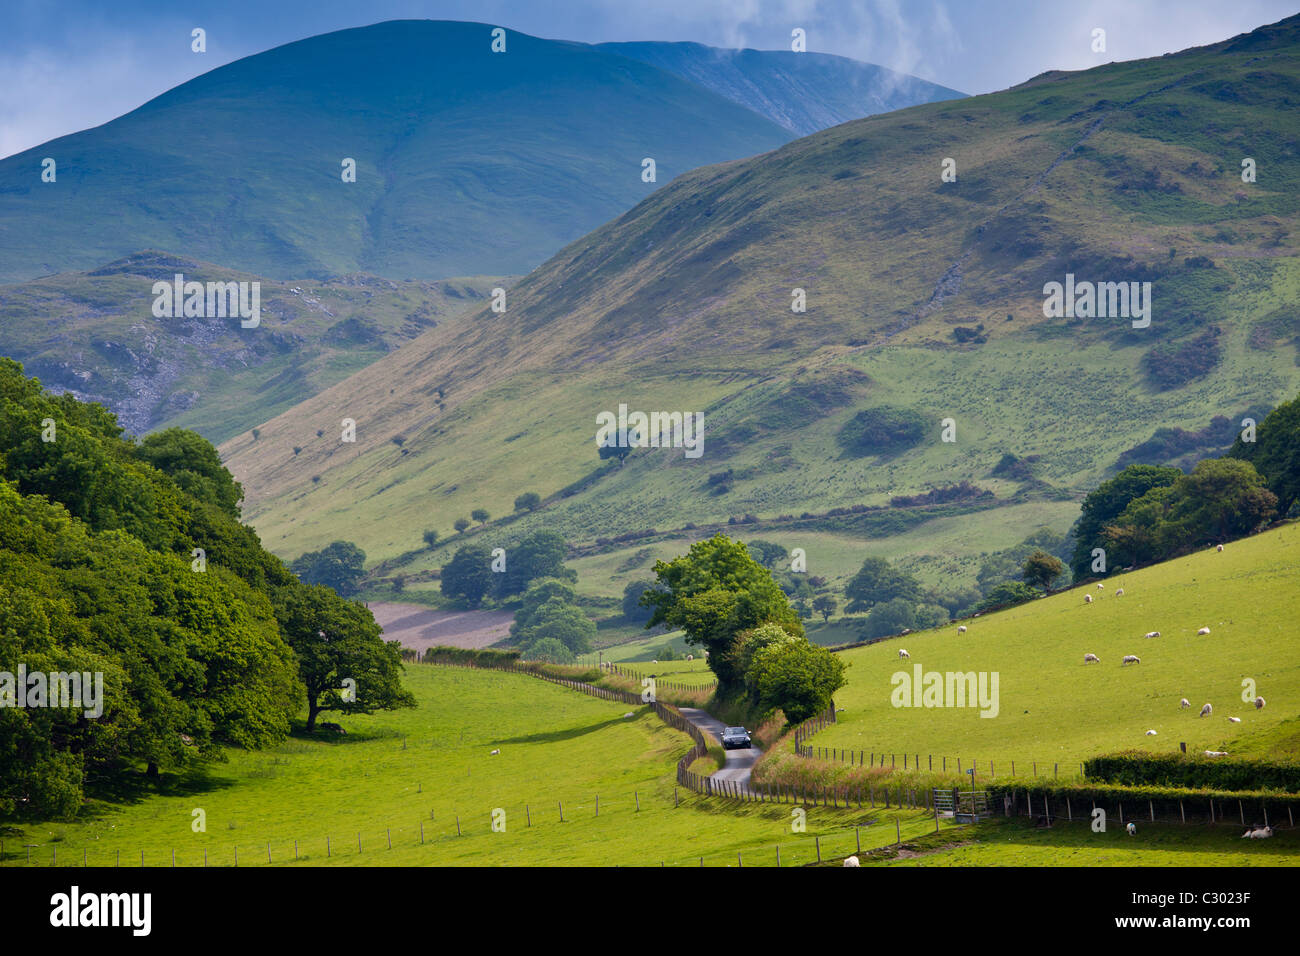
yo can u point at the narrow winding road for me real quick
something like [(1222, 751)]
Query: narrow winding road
[(740, 763)]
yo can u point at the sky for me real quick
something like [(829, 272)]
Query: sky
[(74, 64)]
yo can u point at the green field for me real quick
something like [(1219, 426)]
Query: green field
[(1055, 709), (433, 764)]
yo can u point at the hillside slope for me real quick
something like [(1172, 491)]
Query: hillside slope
[(921, 294), (94, 334), (1054, 708), (468, 162), (802, 92)]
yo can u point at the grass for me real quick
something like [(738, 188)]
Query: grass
[(430, 765), (1010, 842), (1054, 709)]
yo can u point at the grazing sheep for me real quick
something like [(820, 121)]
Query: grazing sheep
[(654, 662), (1260, 833), (1151, 733), (690, 657), (494, 753), (1087, 599), (903, 653), (1091, 659), (851, 861), (1101, 587), (1185, 704), (1130, 659), (1203, 631), (1151, 634), (961, 628), (1216, 753), (1119, 593), (1220, 548), (1207, 710), (1259, 703), (1131, 829), (1235, 720)]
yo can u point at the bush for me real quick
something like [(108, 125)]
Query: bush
[(1136, 768), (881, 431)]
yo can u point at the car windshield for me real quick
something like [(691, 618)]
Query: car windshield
[(735, 730)]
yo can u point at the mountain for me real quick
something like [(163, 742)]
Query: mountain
[(801, 92), (468, 162), (925, 302), (94, 334)]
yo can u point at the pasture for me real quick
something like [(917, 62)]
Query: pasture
[(1053, 708), (432, 766)]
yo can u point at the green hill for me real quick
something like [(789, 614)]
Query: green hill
[(922, 295), (468, 162), (93, 334), (1053, 708)]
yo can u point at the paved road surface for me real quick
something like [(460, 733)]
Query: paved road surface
[(740, 763)]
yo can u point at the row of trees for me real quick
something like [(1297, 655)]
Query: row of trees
[(129, 560), (528, 501), (474, 573)]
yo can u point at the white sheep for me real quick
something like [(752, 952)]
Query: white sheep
[(654, 662), (1131, 829), (1150, 733), (1185, 703), (1130, 659), (1151, 634), (1101, 587), (690, 657), (1087, 599), (1234, 720), (1091, 659), (494, 753), (1207, 710), (1259, 703), (1220, 549), (629, 714), (851, 861), (1261, 833), (1203, 631), (903, 653), (1119, 593), (1216, 753), (961, 628)]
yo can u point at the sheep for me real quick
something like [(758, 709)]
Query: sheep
[(1259, 703), (1216, 753), (1220, 549), (629, 714), (1151, 634), (1101, 587), (1234, 720), (1150, 733), (1207, 710), (961, 628), (1087, 599), (690, 657), (903, 653), (1131, 829), (654, 662), (495, 752), (1130, 659), (851, 861), (1203, 631), (1259, 833), (1091, 659), (1119, 593), (1185, 703)]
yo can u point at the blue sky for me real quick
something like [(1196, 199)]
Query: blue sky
[(78, 63)]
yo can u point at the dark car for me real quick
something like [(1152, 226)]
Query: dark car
[(735, 737)]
